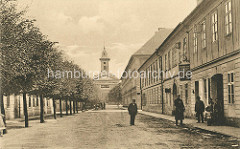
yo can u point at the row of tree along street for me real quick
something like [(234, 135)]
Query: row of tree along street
[(26, 57)]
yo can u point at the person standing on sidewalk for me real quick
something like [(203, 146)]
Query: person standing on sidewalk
[(132, 109), (178, 103), (199, 109)]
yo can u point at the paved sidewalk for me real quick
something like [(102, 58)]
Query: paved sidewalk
[(225, 130), (29, 118), (19, 122)]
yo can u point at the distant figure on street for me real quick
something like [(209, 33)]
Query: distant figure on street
[(199, 109), (132, 109), (178, 103)]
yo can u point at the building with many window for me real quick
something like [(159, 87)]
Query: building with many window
[(130, 78), (201, 57)]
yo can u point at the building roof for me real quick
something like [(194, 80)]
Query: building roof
[(153, 43), (105, 76)]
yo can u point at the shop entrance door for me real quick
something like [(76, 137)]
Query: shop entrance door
[(217, 97)]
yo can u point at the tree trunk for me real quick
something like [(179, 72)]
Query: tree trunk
[(74, 107), (41, 108), (25, 109), (3, 112), (54, 108), (66, 106), (70, 107), (60, 106), (2, 108)]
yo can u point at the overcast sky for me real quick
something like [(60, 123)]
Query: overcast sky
[(82, 26)]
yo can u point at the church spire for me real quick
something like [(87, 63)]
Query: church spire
[(104, 53), (104, 61)]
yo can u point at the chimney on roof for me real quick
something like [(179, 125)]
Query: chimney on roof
[(160, 28)]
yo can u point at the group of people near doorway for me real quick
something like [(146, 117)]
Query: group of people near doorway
[(178, 110), (199, 109)]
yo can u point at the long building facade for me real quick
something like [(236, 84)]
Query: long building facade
[(201, 57), (13, 106), (130, 78)]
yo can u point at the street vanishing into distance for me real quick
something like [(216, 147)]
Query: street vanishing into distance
[(109, 129)]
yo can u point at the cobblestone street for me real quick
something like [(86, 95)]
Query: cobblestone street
[(110, 129)]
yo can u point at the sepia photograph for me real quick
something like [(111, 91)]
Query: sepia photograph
[(119, 74)]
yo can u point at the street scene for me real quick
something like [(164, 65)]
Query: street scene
[(110, 129), (119, 74)]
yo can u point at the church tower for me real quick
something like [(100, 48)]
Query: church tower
[(104, 61)]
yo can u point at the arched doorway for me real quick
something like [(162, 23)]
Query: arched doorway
[(218, 97), (174, 91)]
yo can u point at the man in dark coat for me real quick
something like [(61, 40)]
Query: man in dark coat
[(132, 109), (178, 103), (199, 109)]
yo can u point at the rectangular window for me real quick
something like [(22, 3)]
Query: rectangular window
[(151, 78), (204, 41), (165, 62), (195, 40), (157, 70), (29, 102), (33, 102), (148, 80), (179, 53), (186, 93), (153, 72), (169, 60), (8, 101), (230, 88), (36, 100), (214, 26), (160, 67), (228, 17), (174, 57), (145, 78), (184, 56)]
